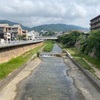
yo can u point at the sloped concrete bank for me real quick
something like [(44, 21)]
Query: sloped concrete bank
[(89, 75), (12, 75), (9, 92)]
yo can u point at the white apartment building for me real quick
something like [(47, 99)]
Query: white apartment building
[(32, 35)]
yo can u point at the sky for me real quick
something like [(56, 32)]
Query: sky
[(37, 12)]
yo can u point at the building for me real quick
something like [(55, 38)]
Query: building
[(95, 23), (32, 35), (7, 37), (15, 31), (24, 32), (4, 28)]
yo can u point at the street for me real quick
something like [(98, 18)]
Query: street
[(14, 43)]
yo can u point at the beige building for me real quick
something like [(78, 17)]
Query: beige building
[(4, 28), (15, 31)]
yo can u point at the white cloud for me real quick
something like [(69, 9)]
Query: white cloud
[(36, 12)]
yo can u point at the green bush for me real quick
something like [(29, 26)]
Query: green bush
[(48, 47), (69, 40), (92, 43), (38, 53)]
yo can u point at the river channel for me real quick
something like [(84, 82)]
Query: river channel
[(49, 81)]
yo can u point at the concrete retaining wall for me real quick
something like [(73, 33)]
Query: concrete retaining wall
[(11, 52)]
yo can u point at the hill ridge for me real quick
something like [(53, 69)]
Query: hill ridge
[(47, 27)]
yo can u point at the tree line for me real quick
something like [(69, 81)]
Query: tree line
[(88, 43)]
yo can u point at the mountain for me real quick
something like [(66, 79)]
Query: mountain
[(58, 27), (47, 27), (12, 23)]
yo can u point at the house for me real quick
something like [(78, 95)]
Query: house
[(7, 37), (95, 23), (4, 28), (24, 34), (32, 35), (4, 32), (15, 31)]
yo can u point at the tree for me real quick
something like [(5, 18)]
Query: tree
[(92, 43), (69, 39)]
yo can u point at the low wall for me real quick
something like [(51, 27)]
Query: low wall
[(11, 52), (89, 75)]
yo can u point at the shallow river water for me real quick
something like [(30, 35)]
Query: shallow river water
[(49, 81)]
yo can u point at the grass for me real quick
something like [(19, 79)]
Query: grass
[(49, 46), (78, 56), (8, 67)]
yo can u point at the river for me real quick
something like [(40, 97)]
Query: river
[(49, 81)]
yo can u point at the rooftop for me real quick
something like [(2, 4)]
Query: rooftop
[(95, 17), (4, 25)]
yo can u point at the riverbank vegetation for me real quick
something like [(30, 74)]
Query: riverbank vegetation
[(49, 46), (8, 67), (83, 47)]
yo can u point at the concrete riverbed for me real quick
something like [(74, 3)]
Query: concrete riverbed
[(56, 78), (51, 78)]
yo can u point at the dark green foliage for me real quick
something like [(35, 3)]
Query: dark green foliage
[(57, 27), (38, 53), (49, 46), (69, 40), (89, 43), (92, 43)]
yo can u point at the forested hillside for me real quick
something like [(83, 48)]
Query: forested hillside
[(58, 27), (47, 27)]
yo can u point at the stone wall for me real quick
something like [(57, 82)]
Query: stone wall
[(8, 53)]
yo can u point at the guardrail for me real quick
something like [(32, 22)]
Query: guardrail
[(19, 43)]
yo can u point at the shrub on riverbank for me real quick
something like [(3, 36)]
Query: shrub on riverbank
[(91, 45), (49, 46), (80, 58), (87, 44)]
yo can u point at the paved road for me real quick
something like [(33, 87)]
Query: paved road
[(14, 43)]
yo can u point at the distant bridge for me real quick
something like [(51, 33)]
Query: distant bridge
[(49, 38)]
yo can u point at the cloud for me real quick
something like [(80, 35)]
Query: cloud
[(36, 12)]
